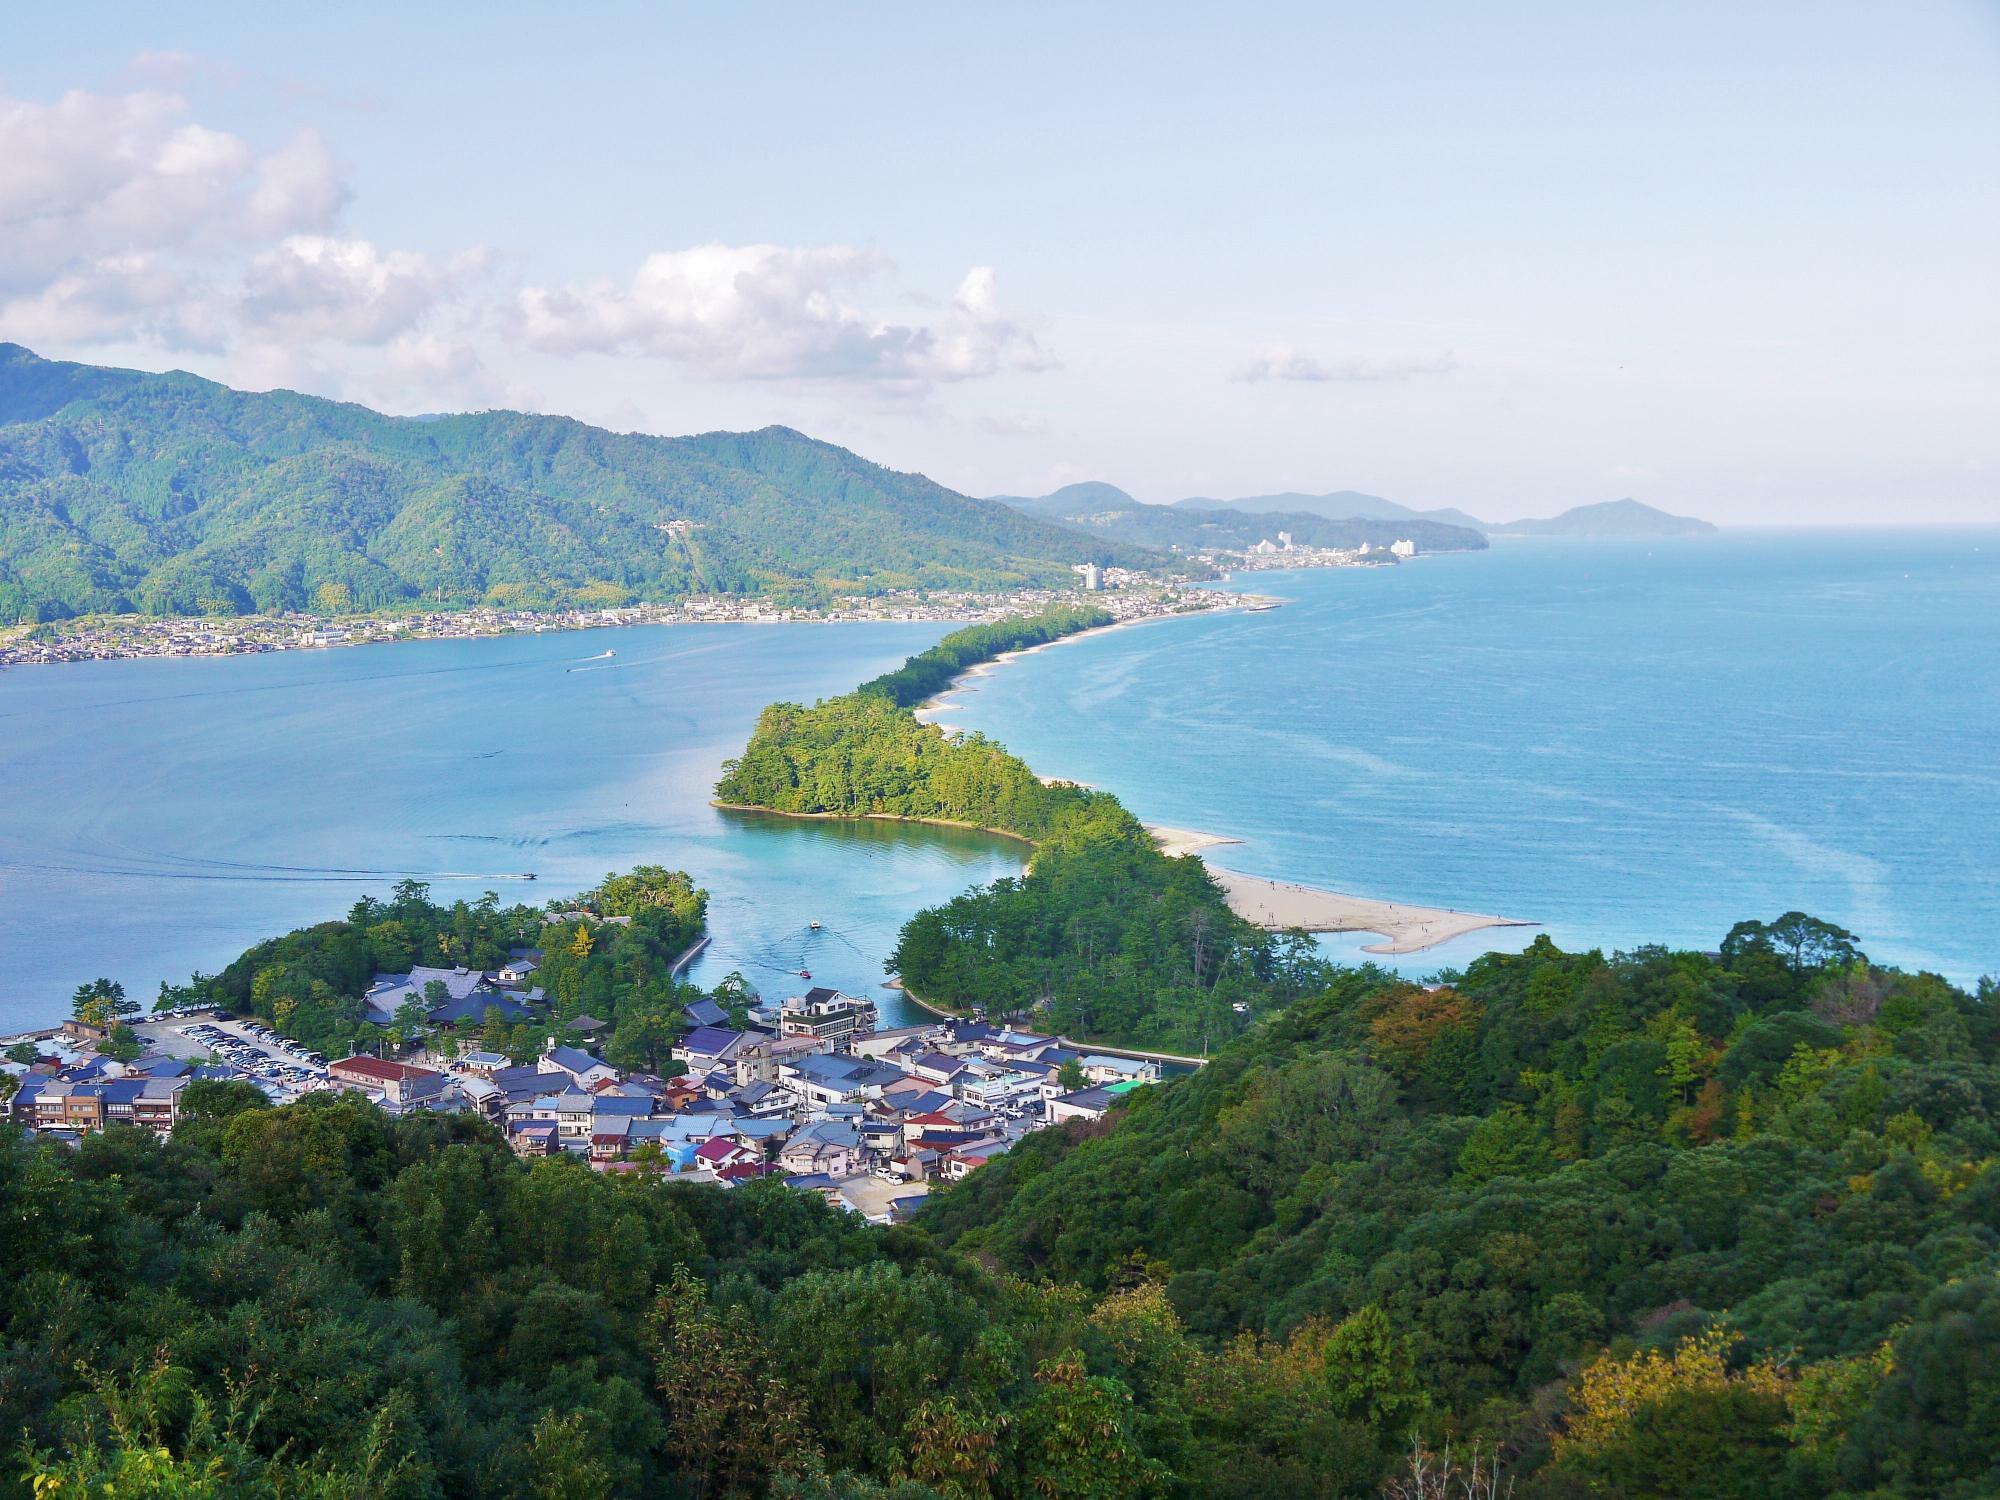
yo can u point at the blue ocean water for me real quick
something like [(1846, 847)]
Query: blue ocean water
[(159, 816), (1626, 743)]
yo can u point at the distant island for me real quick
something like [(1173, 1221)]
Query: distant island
[(1340, 518), (123, 492), (1609, 519)]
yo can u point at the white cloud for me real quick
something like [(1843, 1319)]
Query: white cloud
[(1289, 362), (116, 297), (93, 176), (124, 221), (773, 312), (298, 186), (348, 291), (439, 372)]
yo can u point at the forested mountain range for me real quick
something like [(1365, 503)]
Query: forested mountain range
[(1107, 511), (1314, 519), (169, 494)]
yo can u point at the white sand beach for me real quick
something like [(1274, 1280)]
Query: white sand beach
[(931, 710), (1182, 841), (1279, 905)]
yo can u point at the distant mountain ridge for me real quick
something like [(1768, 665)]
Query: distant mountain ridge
[(1338, 505), (1072, 499), (169, 494), (1107, 511), (1115, 513)]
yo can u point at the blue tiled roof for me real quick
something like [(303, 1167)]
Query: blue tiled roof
[(705, 1013), (710, 1041), (472, 1007)]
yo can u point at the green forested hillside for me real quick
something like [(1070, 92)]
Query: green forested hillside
[(165, 494), (321, 1301), (1661, 1226), (1666, 1224), (309, 983)]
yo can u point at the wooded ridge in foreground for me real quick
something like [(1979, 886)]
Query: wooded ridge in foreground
[(1104, 937), (1658, 1225), (126, 492), (1662, 1224)]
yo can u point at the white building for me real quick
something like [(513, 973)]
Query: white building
[(828, 1015), (1404, 548)]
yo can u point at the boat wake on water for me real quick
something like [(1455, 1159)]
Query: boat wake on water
[(146, 866), (790, 955)]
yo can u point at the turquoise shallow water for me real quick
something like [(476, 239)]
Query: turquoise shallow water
[(159, 816), (1624, 742)]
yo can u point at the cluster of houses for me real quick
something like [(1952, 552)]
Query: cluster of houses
[(811, 1092), (461, 997), (72, 1096)]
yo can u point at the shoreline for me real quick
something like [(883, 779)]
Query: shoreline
[(1281, 905), (1275, 905), (939, 702), (827, 817), (205, 638)]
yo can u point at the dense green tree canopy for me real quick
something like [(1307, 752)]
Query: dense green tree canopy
[(309, 983), (1388, 1229), (1556, 1152)]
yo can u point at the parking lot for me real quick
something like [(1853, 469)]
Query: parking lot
[(249, 1045)]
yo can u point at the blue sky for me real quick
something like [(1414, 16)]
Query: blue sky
[(1732, 260)]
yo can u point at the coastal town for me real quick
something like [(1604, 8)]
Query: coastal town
[(809, 1091), (1286, 552), (1126, 594), (1129, 595)]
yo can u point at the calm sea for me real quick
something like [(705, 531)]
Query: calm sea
[(1627, 743), (159, 816)]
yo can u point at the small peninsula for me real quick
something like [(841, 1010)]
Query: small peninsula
[(1109, 934)]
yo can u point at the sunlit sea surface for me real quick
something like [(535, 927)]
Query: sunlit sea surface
[(160, 816), (1627, 743)]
